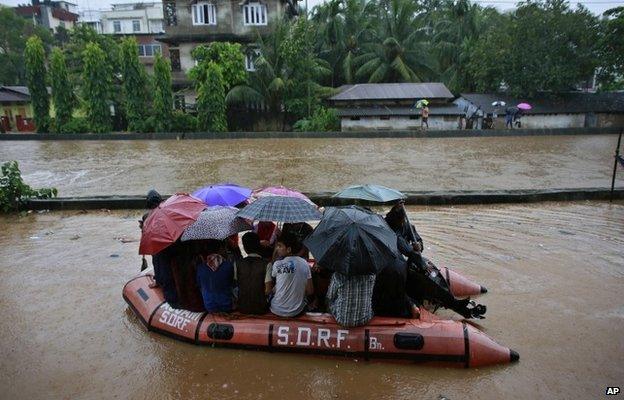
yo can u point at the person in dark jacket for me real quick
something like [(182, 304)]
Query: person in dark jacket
[(408, 239), (253, 277), (390, 298), (215, 278)]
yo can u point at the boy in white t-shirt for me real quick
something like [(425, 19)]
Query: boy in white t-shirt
[(293, 279)]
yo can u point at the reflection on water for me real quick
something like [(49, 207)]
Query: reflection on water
[(555, 274), (133, 167)]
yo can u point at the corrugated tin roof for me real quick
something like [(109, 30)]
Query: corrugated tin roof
[(392, 91), (9, 94), (451, 109), (564, 103)]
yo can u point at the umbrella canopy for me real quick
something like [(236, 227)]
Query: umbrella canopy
[(216, 222), (280, 209), (165, 223), (280, 191), (353, 241), (223, 194), (376, 193), (499, 103), (524, 106), (421, 103)]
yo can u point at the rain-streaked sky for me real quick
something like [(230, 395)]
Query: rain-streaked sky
[(595, 6)]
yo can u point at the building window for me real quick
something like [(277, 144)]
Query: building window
[(385, 117), (354, 118), (204, 14), (169, 11), (136, 25), (254, 14), (156, 26), (413, 116), (117, 26), (250, 59), (149, 50)]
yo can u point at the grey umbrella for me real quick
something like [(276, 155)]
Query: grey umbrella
[(280, 209), (353, 241), (215, 223)]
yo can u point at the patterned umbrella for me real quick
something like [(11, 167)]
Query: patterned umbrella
[(223, 194), (280, 191), (280, 209), (376, 193), (215, 223)]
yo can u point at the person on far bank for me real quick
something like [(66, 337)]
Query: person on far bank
[(253, 277), (293, 279), (509, 118), (424, 117)]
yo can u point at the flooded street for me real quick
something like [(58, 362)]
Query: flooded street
[(555, 272), (79, 168)]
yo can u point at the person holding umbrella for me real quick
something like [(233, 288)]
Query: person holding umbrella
[(355, 244)]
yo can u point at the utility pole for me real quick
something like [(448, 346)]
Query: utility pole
[(615, 164)]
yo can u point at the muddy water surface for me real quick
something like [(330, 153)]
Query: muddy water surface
[(132, 167), (555, 274)]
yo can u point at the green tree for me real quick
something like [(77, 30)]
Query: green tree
[(163, 94), (36, 78), (228, 56), (399, 50), (96, 88), (304, 70), (14, 32), (342, 27), (211, 100), (135, 85), (267, 84), (62, 90), (611, 50), (544, 47)]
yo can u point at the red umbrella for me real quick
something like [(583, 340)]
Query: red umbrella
[(165, 223)]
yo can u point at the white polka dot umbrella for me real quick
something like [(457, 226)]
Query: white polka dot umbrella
[(215, 223)]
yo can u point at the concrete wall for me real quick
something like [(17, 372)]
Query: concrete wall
[(610, 120), (436, 122)]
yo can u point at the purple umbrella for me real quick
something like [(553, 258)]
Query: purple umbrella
[(524, 106), (223, 194)]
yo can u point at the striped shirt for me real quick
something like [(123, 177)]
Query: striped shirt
[(350, 298)]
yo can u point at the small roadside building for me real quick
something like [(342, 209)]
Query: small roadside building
[(16, 113), (390, 106), (566, 110)]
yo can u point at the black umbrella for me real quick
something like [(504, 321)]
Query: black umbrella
[(352, 241)]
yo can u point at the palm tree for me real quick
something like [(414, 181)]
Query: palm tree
[(456, 32), (398, 51), (343, 26), (266, 85)]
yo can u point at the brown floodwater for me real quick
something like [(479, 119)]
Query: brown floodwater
[(79, 168), (555, 272)]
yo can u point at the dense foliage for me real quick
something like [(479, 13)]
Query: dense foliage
[(62, 90), (228, 56), (135, 85), (14, 192), (14, 32), (323, 120), (96, 88), (211, 100), (36, 78), (163, 95)]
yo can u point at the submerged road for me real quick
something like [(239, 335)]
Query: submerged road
[(88, 168)]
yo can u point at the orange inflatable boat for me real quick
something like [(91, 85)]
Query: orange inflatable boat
[(427, 339), (459, 285)]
